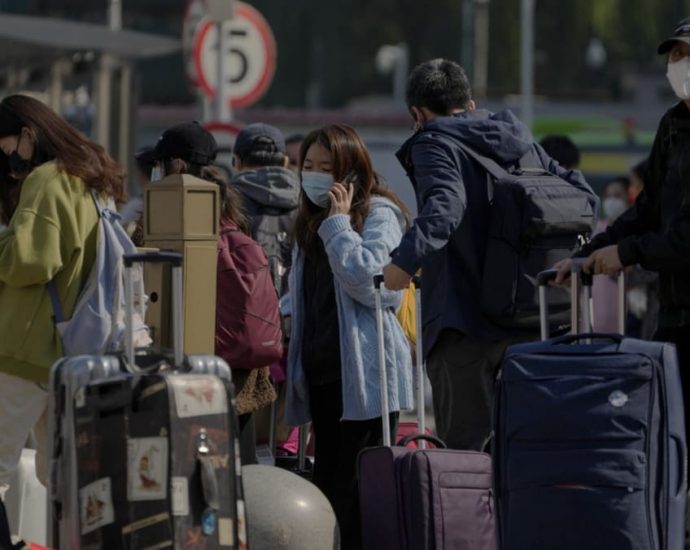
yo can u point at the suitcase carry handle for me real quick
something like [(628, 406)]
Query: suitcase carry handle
[(113, 394), (682, 458), (405, 441), (176, 261), (172, 258), (548, 275)]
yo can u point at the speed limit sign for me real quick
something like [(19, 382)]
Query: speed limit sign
[(250, 56)]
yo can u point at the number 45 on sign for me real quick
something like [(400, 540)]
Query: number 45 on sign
[(249, 55)]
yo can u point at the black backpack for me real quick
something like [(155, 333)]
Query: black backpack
[(536, 219)]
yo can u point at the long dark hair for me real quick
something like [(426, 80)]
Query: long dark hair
[(349, 156), (231, 204), (9, 191), (55, 139)]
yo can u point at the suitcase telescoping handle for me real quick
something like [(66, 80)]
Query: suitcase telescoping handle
[(419, 361), (175, 261), (578, 278), (383, 376)]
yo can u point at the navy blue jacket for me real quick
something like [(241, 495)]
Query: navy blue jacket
[(448, 237)]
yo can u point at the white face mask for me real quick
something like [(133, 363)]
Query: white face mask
[(678, 75), (614, 207), (316, 186), (156, 173)]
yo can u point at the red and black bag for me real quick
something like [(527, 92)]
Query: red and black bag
[(248, 334)]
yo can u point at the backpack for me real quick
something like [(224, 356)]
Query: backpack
[(248, 333), (98, 323), (536, 219), (271, 228)]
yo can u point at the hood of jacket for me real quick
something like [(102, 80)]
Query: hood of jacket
[(500, 136), (272, 186)]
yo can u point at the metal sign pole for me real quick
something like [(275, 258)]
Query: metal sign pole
[(221, 11), (223, 111)]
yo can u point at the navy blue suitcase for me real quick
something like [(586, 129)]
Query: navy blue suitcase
[(590, 446)]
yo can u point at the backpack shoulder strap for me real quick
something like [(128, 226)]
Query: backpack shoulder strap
[(97, 201), (490, 165), (58, 312)]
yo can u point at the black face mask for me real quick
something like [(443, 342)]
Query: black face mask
[(19, 167)]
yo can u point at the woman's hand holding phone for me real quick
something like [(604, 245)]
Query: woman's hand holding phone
[(341, 196)]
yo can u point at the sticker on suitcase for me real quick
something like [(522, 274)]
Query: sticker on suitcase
[(180, 496), (199, 395), (96, 505), (147, 468), (226, 533)]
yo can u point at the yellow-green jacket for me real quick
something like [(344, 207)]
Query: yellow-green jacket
[(53, 234)]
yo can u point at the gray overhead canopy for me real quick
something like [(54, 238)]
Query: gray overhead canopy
[(26, 37)]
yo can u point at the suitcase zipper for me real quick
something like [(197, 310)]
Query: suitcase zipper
[(663, 534), (650, 413)]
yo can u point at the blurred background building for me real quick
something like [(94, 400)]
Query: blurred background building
[(597, 77)]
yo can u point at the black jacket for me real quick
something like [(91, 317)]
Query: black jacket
[(449, 234), (655, 231)]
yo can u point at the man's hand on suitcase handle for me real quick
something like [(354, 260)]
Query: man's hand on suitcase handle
[(605, 261), (559, 275), (563, 270), (396, 278)]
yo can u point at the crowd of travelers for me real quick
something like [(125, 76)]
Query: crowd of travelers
[(312, 209)]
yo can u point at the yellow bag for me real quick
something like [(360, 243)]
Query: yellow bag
[(407, 314)]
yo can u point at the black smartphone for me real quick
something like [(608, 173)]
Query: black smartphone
[(351, 177)]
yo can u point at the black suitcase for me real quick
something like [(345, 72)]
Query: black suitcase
[(145, 457)]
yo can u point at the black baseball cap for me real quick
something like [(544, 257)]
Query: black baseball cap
[(188, 141), (261, 137), (146, 158), (680, 34)]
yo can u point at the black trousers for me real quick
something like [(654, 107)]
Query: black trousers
[(462, 372), (247, 437), (336, 447)]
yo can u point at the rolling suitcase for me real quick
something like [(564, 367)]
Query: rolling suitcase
[(590, 443), (145, 457), (422, 499)]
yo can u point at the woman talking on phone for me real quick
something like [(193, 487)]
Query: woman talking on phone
[(347, 226)]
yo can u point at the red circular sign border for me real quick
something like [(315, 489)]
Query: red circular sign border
[(261, 25), (229, 127)]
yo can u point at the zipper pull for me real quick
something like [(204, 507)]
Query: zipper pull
[(209, 485), (202, 448)]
